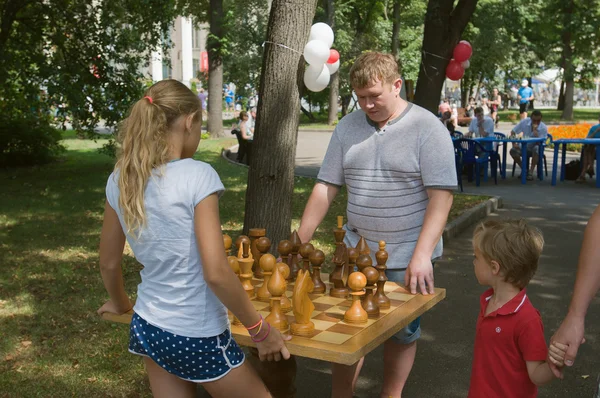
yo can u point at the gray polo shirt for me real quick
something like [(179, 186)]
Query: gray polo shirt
[(387, 172)]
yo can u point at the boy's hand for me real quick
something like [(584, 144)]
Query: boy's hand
[(556, 354)]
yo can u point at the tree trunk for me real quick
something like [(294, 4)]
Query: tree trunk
[(345, 104), (308, 113), (561, 95), (443, 28), (334, 85), (271, 174), (569, 68), (215, 70), (396, 29)]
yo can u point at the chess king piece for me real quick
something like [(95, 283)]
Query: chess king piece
[(246, 269), (284, 269), (227, 242), (356, 313), (293, 262), (352, 257), (316, 260), (369, 303), (306, 250), (302, 305), (284, 249), (277, 288), (255, 234), (338, 278), (263, 244), (381, 257), (267, 263), (235, 266)]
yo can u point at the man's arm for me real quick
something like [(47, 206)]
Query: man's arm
[(316, 209), (420, 270), (587, 284)]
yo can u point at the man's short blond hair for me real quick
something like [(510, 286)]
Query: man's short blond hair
[(514, 245), (372, 66)]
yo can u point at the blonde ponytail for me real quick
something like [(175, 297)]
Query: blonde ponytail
[(144, 144)]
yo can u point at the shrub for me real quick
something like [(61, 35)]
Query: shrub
[(27, 141)]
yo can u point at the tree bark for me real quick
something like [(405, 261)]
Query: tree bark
[(569, 68), (396, 29), (215, 69), (271, 173), (334, 85), (561, 96), (345, 103), (443, 28)]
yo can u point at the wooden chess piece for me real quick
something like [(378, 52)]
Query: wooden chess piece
[(316, 260), (339, 233), (239, 242), (381, 257), (363, 261), (284, 249), (277, 288), (306, 250), (338, 278), (356, 313), (368, 301), (293, 263), (352, 256), (267, 263), (263, 244), (235, 266), (246, 269), (363, 247), (227, 242), (284, 269), (254, 234), (302, 305)]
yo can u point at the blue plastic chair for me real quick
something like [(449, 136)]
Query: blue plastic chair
[(457, 134), (471, 152), (549, 141), (499, 136)]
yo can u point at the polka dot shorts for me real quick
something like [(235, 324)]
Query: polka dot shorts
[(190, 358)]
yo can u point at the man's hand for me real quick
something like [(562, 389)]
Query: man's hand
[(419, 272), (570, 333)]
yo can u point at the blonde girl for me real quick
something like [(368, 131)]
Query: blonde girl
[(166, 205)]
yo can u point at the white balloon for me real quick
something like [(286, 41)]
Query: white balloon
[(316, 52), (322, 31), (316, 78), (333, 67), (465, 64)]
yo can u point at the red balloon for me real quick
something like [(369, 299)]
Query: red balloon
[(333, 56), (462, 51), (454, 70)]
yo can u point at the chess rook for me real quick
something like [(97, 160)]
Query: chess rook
[(381, 257), (316, 260), (356, 313)]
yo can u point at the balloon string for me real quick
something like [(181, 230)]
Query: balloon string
[(282, 45), (435, 55)]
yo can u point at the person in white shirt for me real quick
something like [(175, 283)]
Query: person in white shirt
[(531, 127), (481, 125), (166, 205)]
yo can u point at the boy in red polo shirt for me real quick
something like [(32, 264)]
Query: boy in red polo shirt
[(510, 348)]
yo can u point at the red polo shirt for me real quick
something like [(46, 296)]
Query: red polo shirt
[(504, 340)]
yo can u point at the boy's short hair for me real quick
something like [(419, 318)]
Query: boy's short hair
[(514, 245), (479, 110), (372, 66)]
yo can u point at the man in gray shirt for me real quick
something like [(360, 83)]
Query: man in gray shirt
[(397, 162)]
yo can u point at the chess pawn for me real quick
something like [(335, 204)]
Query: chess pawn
[(263, 245), (316, 260), (235, 266), (284, 269), (293, 263), (255, 234), (381, 257), (267, 263), (363, 261), (356, 313), (352, 256), (227, 242), (368, 301), (246, 269), (303, 306), (277, 288), (305, 251), (284, 249), (363, 247)]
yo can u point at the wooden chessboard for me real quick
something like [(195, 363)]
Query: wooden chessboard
[(335, 340)]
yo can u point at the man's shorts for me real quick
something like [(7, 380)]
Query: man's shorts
[(523, 107), (412, 331), (516, 151)]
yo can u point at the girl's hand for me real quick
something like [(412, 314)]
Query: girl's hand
[(272, 348), (109, 306)]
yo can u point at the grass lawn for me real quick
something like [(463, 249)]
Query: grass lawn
[(53, 344)]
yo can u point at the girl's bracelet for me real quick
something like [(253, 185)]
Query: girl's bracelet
[(257, 323), (265, 336), (258, 331)]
